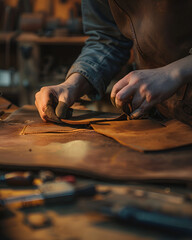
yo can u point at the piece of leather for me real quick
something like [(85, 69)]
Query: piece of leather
[(30, 114), (90, 154), (147, 135), (4, 104), (86, 153), (85, 117), (162, 33), (29, 117), (50, 128), (141, 135)]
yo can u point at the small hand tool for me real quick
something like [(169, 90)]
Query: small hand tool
[(169, 212), (17, 179), (50, 193), (46, 176), (136, 215), (67, 178)]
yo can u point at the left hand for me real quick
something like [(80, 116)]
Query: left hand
[(144, 89)]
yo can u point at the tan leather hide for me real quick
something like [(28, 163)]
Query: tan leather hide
[(147, 135)]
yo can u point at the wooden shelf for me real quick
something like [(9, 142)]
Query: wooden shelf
[(68, 40), (6, 36)]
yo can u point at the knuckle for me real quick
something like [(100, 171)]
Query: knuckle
[(134, 77), (114, 90), (44, 89), (36, 95), (143, 88), (125, 79), (149, 97)]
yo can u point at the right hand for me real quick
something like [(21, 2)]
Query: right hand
[(53, 102)]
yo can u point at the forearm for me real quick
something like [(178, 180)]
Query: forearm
[(106, 50), (181, 70)]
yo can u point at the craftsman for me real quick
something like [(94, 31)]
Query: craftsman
[(160, 32)]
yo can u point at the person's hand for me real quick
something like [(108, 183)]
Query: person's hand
[(53, 102), (143, 89)]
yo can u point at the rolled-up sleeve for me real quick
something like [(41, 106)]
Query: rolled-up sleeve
[(105, 51)]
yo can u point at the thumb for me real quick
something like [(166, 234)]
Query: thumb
[(63, 111), (50, 114)]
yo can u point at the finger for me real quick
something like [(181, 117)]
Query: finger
[(113, 101), (142, 110), (124, 95), (41, 113), (44, 98), (118, 86), (40, 106), (137, 101), (63, 111)]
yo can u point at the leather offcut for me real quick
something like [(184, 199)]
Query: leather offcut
[(147, 135)]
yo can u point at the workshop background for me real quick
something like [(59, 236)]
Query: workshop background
[(39, 41), (68, 181)]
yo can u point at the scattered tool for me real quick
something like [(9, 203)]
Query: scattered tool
[(17, 179), (46, 176), (136, 215), (152, 209), (67, 178), (50, 193)]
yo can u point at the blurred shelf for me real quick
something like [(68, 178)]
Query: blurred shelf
[(68, 40), (7, 36)]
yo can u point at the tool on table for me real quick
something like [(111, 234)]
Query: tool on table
[(17, 178), (50, 193), (48, 176), (131, 214), (170, 212), (67, 178)]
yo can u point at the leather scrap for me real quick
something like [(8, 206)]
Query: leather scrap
[(81, 119), (147, 135), (141, 135), (29, 113), (87, 153), (85, 117), (50, 128)]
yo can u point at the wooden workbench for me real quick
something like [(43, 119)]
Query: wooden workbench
[(72, 222)]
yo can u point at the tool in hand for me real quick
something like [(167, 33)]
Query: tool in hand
[(17, 179)]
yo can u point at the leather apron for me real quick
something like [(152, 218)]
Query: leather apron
[(161, 31)]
